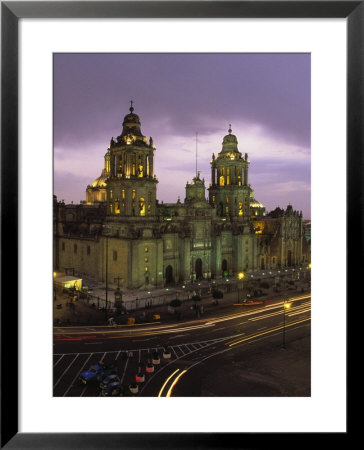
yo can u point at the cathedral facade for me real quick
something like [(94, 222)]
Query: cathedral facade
[(122, 233)]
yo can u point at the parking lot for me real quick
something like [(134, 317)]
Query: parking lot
[(67, 367)]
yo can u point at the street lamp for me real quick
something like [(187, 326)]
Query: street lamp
[(106, 233), (241, 276), (286, 306)]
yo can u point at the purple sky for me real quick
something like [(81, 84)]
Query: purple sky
[(265, 97)]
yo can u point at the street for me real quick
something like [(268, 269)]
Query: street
[(246, 351)]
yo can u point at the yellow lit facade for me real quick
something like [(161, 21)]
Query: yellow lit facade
[(152, 243)]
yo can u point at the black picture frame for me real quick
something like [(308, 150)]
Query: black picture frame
[(11, 13)]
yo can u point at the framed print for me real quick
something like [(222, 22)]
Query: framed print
[(59, 53)]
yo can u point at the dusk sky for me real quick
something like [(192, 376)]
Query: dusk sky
[(265, 97)]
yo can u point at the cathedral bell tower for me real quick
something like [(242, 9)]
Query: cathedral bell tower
[(229, 192), (131, 186)]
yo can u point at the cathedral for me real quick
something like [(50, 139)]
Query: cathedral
[(122, 233)]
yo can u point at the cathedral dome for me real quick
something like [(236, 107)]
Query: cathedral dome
[(230, 139), (99, 182), (230, 142), (131, 118), (131, 124)]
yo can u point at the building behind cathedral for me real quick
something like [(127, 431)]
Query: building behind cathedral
[(146, 243)]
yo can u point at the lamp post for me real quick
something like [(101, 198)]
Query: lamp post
[(106, 233), (286, 306), (241, 276), (118, 295)]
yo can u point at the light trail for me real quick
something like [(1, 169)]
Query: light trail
[(169, 393), (165, 383), (300, 309), (269, 330)]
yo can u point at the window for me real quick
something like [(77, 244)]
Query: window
[(149, 196), (146, 249), (123, 194), (146, 260), (88, 250), (141, 206), (63, 246), (115, 255), (75, 248), (133, 194), (117, 206)]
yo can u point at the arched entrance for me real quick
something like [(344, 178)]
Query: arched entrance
[(224, 267), (169, 275), (198, 268), (289, 258)]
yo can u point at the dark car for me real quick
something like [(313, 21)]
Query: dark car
[(113, 389), (97, 372), (108, 380)]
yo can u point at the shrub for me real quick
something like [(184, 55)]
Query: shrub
[(217, 294), (196, 298), (175, 303), (264, 285)]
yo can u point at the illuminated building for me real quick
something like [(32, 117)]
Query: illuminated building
[(152, 243)]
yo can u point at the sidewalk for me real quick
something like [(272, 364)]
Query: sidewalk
[(80, 312), (138, 298)]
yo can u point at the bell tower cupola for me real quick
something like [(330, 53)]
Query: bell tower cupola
[(229, 191), (132, 183)]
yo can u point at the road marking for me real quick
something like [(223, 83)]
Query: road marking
[(84, 390), (58, 360), (143, 340), (181, 349), (126, 365), (59, 379), (73, 381), (179, 335)]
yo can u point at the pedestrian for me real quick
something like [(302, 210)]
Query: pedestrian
[(111, 321)]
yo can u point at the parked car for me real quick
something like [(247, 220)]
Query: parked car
[(108, 380), (114, 389), (111, 386), (97, 372)]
